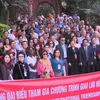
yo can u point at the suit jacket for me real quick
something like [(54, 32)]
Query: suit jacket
[(59, 46), (82, 56), (67, 37), (95, 50), (73, 55)]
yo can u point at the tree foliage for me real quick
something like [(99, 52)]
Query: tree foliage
[(87, 9), (13, 6), (20, 4), (3, 28), (77, 5), (44, 9)]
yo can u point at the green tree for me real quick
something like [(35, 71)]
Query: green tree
[(13, 6), (44, 9), (77, 5), (1, 3), (87, 9)]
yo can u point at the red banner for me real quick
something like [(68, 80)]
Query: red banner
[(79, 87)]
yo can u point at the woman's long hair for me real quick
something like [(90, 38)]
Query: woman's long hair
[(44, 51), (54, 54), (3, 62)]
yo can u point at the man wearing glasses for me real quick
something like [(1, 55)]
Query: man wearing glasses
[(63, 49)]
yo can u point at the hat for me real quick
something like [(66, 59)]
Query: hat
[(11, 51)]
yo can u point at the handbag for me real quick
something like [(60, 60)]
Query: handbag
[(47, 75)]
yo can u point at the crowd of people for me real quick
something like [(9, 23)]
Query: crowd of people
[(49, 47)]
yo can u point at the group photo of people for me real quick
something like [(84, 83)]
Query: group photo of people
[(49, 47)]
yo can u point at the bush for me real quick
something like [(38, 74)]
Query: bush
[(3, 28)]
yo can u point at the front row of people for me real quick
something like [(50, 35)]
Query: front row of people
[(44, 68), (85, 59)]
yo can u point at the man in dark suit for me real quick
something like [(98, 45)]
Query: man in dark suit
[(68, 35), (98, 60), (85, 57), (95, 48), (73, 59), (63, 49)]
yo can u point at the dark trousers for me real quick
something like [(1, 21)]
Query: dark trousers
[(88, 68), (94, 66), (33, 75), (97, 66), (72, 70), (82, 69), (66, 65)]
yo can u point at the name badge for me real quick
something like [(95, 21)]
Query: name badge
[(59, 67), (75, 56), (94, 57), (25, 72)]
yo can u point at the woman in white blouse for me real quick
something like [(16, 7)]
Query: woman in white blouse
[(32, 61)]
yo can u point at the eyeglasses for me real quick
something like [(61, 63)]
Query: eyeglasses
[(85, 42), (20, 56), (57, 52), (11, 56), (62, 40), (51, 43), (45, 54)]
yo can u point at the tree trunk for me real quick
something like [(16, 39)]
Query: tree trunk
[(0, 8), (7, 18)]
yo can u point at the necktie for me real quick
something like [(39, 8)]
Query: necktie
[(94, 50), (86, 53)]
